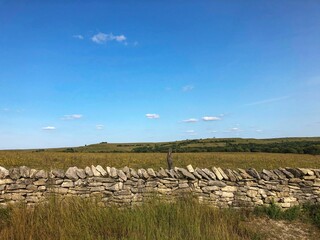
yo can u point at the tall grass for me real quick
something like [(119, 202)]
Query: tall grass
[(47, 160), (77, 218)]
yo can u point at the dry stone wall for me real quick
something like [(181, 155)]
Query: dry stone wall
[(222, 188)]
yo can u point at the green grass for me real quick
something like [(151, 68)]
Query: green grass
[(76, 218)]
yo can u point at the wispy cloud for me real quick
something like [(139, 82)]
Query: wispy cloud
[(191, 132), (49, 128), (187, 88), (99, 127), (208, 118), (152, 115), (72, 117), (268, 101), (78, 36), (101, 38), (190, 120)]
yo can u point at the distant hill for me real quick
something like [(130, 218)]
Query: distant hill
[(306, 145)]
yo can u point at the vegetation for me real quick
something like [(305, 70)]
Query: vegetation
[(276, 145), (76, 218), (307, 212), (63, 160)]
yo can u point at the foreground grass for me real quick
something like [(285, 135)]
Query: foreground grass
[(48, 160), (84, 219)]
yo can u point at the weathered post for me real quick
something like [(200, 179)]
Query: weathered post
[(169, 159)]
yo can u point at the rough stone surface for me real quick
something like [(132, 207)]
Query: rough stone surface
[(221, 188)]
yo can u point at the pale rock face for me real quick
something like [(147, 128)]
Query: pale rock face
[(3, 172), (71, 173), (217, 173), (101, 170), (190, 168), (88, 171), (41, 174), (24, 171), (95, 172)]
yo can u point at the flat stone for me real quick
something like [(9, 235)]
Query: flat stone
[(144, 173), (270, 174), (254, 173), (151, 172), (296, 173), (113, 172), (210, 188), (190, 168), (88, 171), (230, 175), (16, 186), (121, 175), (39, 182), (14, 173), (58, 173), (33, 173), (229, 189), (24, 172), (162, 173), (280, 174), (81, 173), (186, 173), (3, 172), (306, 171), (95, 172), (209, 173), (286, 173), (217, 183), (227, 195), (41, 174), (6, 181), (133, 173), (67, 184), (71, 173), (101, 170), (223, 173), (202, 174), (217, 173), (244, 174)]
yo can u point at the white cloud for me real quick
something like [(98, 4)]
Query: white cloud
[(190, 120), (78, 36), (152, 116), (72, 117), (99, 127), (187, 88), (191, 132), (268, 101), (208, 118), (101, 38), (49, 128), (259, 130)]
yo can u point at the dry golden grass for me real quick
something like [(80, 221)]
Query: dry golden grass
[(48, 160)]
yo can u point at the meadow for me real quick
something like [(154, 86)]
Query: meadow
[(62, 160)]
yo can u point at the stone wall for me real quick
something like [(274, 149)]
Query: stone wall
[(217, 187)]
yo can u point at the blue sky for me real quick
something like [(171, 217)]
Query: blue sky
[(81, 72)]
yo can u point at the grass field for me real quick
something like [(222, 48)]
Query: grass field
[(49, 160)]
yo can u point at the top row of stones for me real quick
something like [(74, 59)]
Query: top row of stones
[(215, 173)]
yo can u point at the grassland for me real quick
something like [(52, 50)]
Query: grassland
[(63, 160)]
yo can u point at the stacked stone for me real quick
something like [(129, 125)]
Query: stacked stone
[(215, 186)]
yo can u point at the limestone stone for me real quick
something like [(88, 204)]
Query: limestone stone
[(71, 173), (41, 181), (270, 174), (81, 173), (190, 168), (3, 172), (24, 172), (133, 173), (95, 172), (151, 172), (162, 173), (67, 184), (186, 173), (202, 174), (113, 172), (297, 173), (58, 173), (121, 175), (244, 174), (254, 173), (217, 183), (230, 175), (101, 170), (225, 177), (279, 173), (217, 173), (229, 189), (227, 195), (306, 171), (33, 173), (252, 193), (209, 173), (14, 173), (88, 171), (41, 174)]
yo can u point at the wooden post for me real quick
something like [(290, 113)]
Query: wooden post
[(169, 159)]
